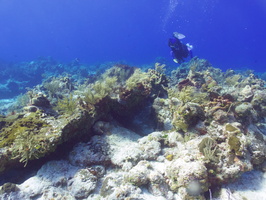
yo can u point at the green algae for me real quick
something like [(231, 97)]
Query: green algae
[(99, 90), (235, 144), (26, 147), (120, 71), (208, 147), (189, 94), (19, 124), (229, 128), (67, 105), (138, 77), (8, 187), (53, 87), (187, 115), (233, 80)]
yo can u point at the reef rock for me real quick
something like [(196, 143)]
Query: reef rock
[(210, 131), (32, 136)]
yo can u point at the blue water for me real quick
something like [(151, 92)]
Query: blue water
[(230, 34)]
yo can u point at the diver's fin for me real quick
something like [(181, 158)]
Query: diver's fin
[(189, 46), (175, 60)]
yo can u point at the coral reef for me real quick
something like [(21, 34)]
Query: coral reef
[(209, 130)]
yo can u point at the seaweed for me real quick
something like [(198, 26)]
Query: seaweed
[(99, 90), (67, 104), (120, 71), (189, 94), (27, 147), (52, 87), (22, 100), (209, 149), (138, 77), (160, 68), (19, 123), (235, 144), (233, 80)]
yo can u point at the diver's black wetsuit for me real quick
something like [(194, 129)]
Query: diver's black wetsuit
[(179, 50)]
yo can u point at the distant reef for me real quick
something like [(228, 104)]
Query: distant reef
[(177, 134)]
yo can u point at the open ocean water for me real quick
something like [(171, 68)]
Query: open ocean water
[(230, 34), (42, 38)]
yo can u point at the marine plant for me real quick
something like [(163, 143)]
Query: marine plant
[(160, 68), (208, 147), (138, 77), (11, 125), (235, 144), (52, 87), (22, 100), (99, 90), (67, 104), (187, 115), (27, 147), (188, 94), (120, 71), (233, 80)]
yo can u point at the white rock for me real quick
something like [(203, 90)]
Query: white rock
[(94, 152), (82, 184)]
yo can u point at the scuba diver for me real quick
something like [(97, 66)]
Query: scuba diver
[(179, 50)]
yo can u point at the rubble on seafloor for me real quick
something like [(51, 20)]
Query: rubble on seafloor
[(139, 135)]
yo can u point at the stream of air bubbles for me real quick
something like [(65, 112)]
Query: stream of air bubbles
[(169, 12)]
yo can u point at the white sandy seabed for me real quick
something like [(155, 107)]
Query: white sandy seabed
[(251, 185)]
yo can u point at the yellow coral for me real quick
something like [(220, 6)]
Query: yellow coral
[(170, 157)]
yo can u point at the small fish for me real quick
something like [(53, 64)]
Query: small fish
[(179, 35)]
